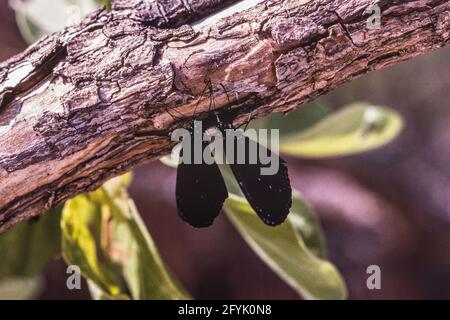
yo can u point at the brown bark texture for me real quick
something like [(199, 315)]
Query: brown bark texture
[(97, 99)]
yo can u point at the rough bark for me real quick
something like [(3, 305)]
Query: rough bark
[(100, 98)]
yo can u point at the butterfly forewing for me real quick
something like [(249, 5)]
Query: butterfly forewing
[(269, 195), (200, 191)]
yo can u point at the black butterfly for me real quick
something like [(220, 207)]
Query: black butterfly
[(270, 196), (201, 190)]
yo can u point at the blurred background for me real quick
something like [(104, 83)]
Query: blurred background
[(389, 207)]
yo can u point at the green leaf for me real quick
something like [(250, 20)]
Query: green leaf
[(104, 235), (293, 250), (301, 215), (305, 222), (27, 248), (285, 252), (357, 128), (297, 120)]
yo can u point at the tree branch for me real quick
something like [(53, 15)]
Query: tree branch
[(100, 98)]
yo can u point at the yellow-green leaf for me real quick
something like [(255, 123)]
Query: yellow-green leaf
[(357, 128), (84, 239), (285, 252), (105, 237)]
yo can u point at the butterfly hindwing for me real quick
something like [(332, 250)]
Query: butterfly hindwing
[(200, 192), (269, 195)]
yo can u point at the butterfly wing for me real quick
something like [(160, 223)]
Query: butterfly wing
[(200, 192), (269, 195)]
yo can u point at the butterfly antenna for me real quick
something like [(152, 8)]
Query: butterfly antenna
[(226, 93), (212, 101), (202, 94), (249, 119)]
